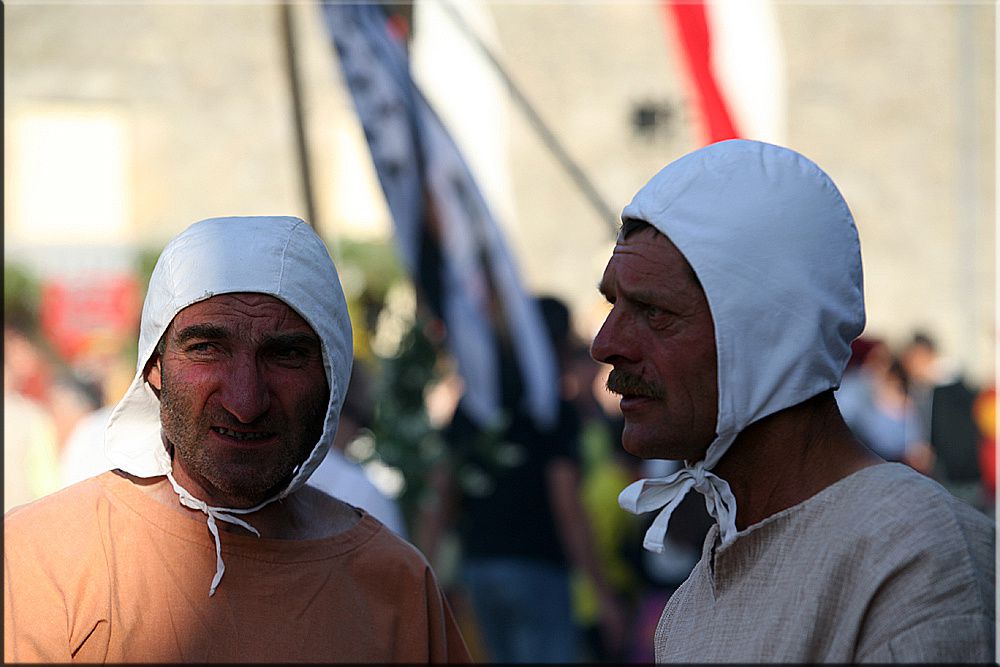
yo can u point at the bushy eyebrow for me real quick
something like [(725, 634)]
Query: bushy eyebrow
[(216, 332), (640, 295), (201, 332), (648, 296), (292, 339)]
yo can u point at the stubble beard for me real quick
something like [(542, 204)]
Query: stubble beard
[(248, 477), (636, 437)]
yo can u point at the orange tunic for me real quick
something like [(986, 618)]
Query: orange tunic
[(99, 572)]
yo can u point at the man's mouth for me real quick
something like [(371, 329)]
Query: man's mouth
[(632, 403), (244, 435)]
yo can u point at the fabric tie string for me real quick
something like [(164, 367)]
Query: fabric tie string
[(646, 495), (214, 514)]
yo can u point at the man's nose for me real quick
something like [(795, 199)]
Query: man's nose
[(610, 345), (245, 393)]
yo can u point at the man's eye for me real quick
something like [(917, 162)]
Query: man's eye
[(290, 355), (201, 347), (658, 318), (653, 311)]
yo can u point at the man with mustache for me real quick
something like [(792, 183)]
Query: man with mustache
[(205, 544), (736, 290)]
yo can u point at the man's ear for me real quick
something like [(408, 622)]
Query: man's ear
[(153, 373)]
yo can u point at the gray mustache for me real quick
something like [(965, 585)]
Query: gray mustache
[(624, 383)]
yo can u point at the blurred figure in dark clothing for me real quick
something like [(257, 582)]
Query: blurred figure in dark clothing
[(944, 400), (607, 468), (514, 496)]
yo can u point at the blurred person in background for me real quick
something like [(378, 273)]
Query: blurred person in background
[(944, 401), (342, 478), (874, 400), (736, 290), (28, 367), (30, 435), (513, 496), (72, 399), (644, 580), (83, 454), (606, 468)]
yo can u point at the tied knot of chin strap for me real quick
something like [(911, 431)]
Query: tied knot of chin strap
[(214, 514), (647, 495), (701, 480)]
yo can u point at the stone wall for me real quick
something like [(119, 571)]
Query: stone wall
[(896, 101)]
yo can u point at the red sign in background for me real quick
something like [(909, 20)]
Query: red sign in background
[(92, 315)]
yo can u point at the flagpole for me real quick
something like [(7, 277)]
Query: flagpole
[(298, 117), (576, 173)]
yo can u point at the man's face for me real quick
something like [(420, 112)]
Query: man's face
[(660, 339), (243, 395)]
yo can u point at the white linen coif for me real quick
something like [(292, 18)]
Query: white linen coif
[(775, 248)]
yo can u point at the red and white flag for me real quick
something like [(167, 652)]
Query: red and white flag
[(731, 50)]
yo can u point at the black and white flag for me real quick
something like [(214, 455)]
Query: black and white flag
[(443, 224)]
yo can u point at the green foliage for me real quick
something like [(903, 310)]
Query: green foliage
[(21, 297), (404, 437), (145, 263), (378, 263)]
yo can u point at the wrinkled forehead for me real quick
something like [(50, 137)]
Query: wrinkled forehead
[(280, 257), (246, 313), (647, 251)]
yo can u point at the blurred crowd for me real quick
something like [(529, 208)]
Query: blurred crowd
[(522, 525), (914, 406), (55, 412)]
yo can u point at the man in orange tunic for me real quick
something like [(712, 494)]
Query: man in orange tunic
[(205, 544)]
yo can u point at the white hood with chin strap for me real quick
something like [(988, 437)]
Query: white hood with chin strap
[(275, 255), (776, 250)]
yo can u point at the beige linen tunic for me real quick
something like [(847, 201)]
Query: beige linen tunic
[(883, 566)]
